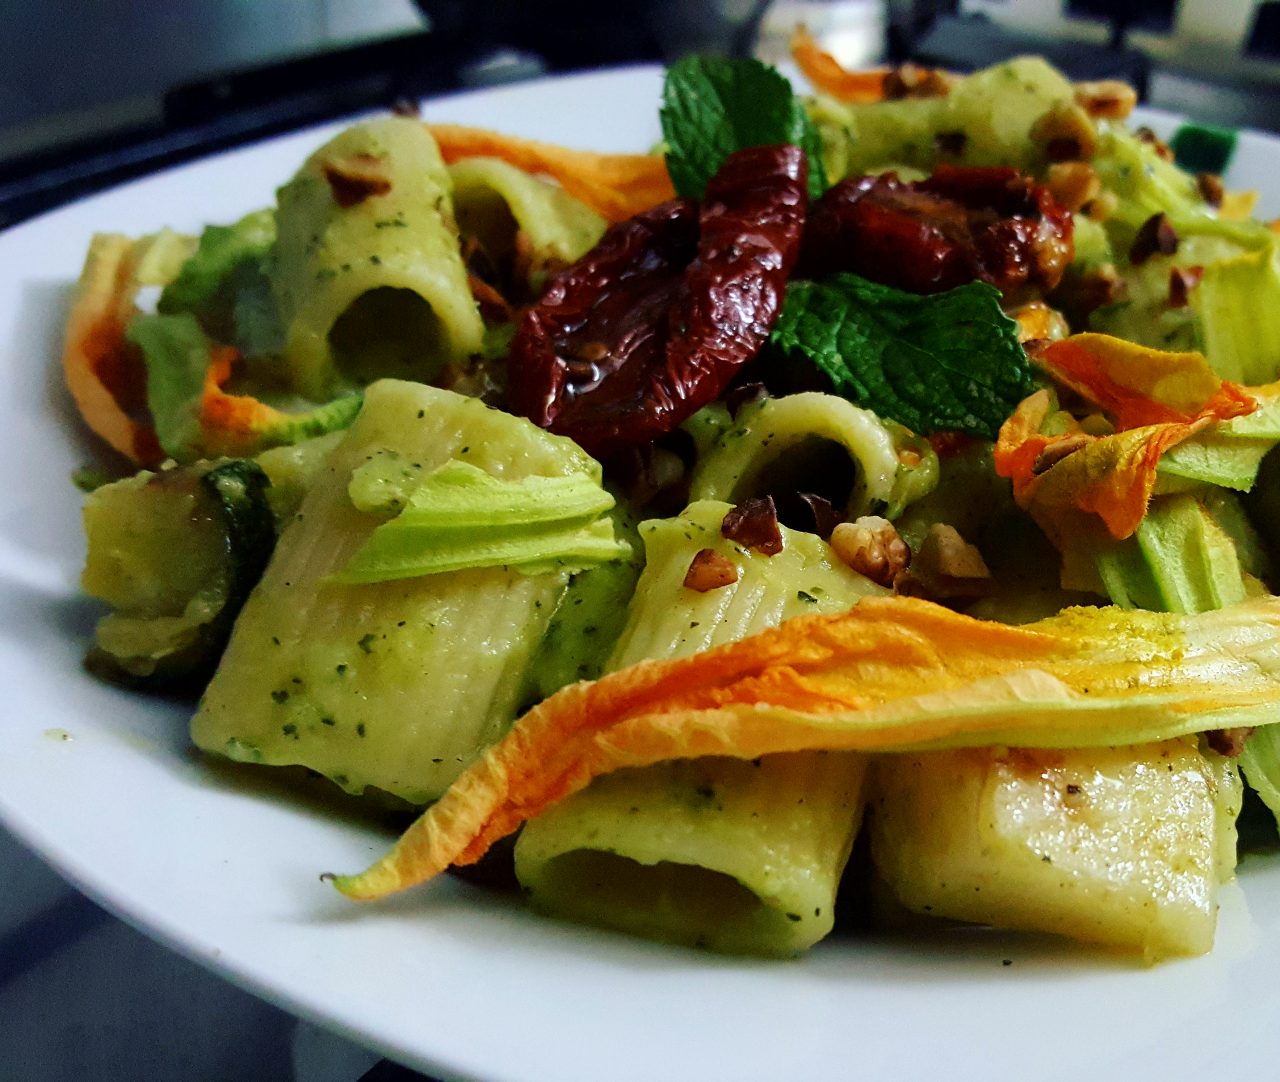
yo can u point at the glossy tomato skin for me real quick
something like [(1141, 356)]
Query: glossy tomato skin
[(654, 322), (962, 224)]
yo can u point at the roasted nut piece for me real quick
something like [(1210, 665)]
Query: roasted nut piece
[(947, 567), (1066, 133), (871, 546), (357, 177), (1182, 280), (710, 570), (1228, 742), (1156, 236), (1073, 184), (1037, 322), (912, 81), (1211, 188), (754, 523), (1107, 99), (1058, 450), (1149, 137)]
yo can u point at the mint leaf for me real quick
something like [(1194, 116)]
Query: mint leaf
[(713, 106), (938, 363)]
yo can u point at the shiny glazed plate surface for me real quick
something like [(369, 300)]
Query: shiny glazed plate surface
[(457, 981)]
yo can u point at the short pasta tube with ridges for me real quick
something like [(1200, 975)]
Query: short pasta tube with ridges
[(731, 855), (398, 684)]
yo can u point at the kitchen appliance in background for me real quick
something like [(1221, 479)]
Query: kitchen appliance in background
[(1217, 59)]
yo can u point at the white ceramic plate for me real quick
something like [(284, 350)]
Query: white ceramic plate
[(453, 980)]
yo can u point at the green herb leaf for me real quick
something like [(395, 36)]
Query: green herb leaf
[(713, 106), (944, 362)]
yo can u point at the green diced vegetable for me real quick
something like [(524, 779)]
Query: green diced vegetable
[(175, 554)]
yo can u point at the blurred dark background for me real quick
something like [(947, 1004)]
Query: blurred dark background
[(92, 93)]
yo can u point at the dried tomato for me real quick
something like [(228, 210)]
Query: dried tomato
[(962, 224), (653, 323)]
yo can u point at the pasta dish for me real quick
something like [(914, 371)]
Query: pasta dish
[(861, 502)]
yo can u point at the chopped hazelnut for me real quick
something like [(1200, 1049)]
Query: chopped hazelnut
[(1106, 99), (356, 177), (1058, 450), (710, 570), (948, 567), (913, 81), (871, 546), (1073, 184), (1149, 137), (1211, 188), (754, 523), (1156, 236), (1037, 322), (1182, 280), (1228, 742), (1066, 132)]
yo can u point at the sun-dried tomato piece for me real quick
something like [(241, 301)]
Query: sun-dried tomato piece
[(653, 323), (962, 224)]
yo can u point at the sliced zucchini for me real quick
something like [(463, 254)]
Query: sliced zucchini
[(174, 554)]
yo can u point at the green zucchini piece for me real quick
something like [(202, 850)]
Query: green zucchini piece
[(1179, 560), (589, 618), (175, 554)]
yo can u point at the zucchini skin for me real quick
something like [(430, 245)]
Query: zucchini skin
[(240, 489), (176, 646)]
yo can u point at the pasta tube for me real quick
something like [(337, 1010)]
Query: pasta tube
[(367, 274), (522, 223), (733, 855), (1119, 846), (820, 443), (396, 684)]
